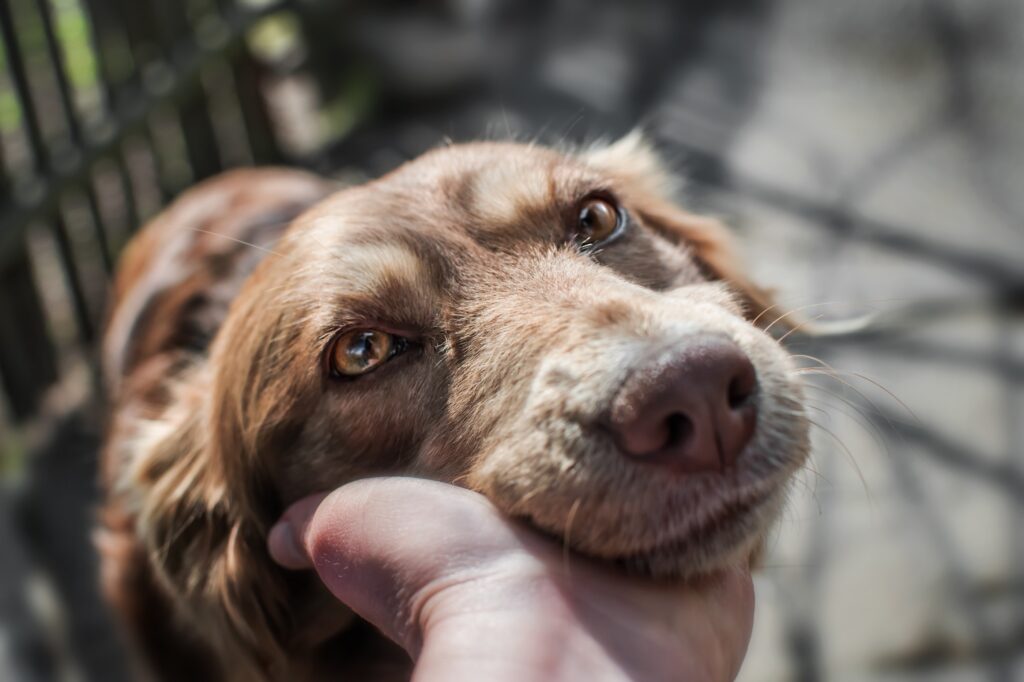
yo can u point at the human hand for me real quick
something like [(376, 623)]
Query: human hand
[(474, 595)]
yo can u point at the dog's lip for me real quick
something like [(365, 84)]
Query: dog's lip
[(727, 515)]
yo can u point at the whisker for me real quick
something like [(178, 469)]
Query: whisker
[(803, 307), (237, 241), (567, 536), (862, 377), (870, 416), (847, 402), (800, 326), (818, 476), (764, 312), (863, 420), (813, 491), (819, 409), (849, 453), (834, 375), (812, 358), (886, 390)]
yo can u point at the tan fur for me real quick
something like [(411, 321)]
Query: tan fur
[(522, 343)]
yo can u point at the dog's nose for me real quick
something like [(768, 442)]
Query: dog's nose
[(692, 411)]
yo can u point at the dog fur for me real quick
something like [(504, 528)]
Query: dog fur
[(223, 414)]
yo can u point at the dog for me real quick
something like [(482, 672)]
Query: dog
[(548, 328)]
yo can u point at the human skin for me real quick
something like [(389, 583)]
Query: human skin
[(471, 594)]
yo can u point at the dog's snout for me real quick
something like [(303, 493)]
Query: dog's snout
[(691, 411)]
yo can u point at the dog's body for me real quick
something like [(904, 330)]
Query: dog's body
[(500, 316)]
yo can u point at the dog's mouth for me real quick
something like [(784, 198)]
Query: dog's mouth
[(729, 533)]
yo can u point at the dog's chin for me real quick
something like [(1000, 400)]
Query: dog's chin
[(729, 538), (636, 520)]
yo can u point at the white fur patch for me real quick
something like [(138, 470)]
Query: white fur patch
[(633, 156), (500, 193)]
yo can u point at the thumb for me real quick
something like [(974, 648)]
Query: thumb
[(383, 545), (285, 540)]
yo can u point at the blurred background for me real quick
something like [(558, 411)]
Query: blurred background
[(869, 154)]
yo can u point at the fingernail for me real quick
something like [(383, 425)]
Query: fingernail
[(285, 547)]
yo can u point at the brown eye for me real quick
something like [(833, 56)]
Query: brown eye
[(598, 221), (362, 350)]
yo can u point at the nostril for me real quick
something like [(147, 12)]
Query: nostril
[(741, 387), (679, 429), (739, 394)]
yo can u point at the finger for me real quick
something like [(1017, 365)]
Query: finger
[(285, 539), (720, 617), (380, 544), (736, 597)]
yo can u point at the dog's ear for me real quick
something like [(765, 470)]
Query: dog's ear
[(208, 483), (205, 529), (648, 187), (713, 247)]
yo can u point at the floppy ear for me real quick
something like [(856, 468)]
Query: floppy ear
[(649, 187), (713, 247), (207, 488), (205, 539)]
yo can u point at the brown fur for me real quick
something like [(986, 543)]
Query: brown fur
[(522, 343)]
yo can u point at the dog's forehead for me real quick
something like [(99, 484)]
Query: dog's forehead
[(497, 189), (484, 193), (442, 212)]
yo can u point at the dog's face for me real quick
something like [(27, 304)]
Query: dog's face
[(542, 327)]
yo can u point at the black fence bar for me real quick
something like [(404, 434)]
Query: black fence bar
[(10, 257), (73, 279), (100, 27), (27, 360), (32, 348), (258, 126), (57, 62), (102, 30), (131, 209), (147, 57), (151, 73), (74, 127), (194, 112), (138, 25), (132, 115), (22, 91)]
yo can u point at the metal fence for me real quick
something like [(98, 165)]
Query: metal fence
[(109, 107)]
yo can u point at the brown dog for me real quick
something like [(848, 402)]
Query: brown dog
[(546, 328)]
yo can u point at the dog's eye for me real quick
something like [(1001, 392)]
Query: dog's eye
[(363, 350), (599, 220)]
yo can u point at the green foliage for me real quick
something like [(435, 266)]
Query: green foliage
[(72, 28), (12, 455), (10, 112)]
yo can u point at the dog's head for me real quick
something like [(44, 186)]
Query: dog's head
[(547, 328)]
